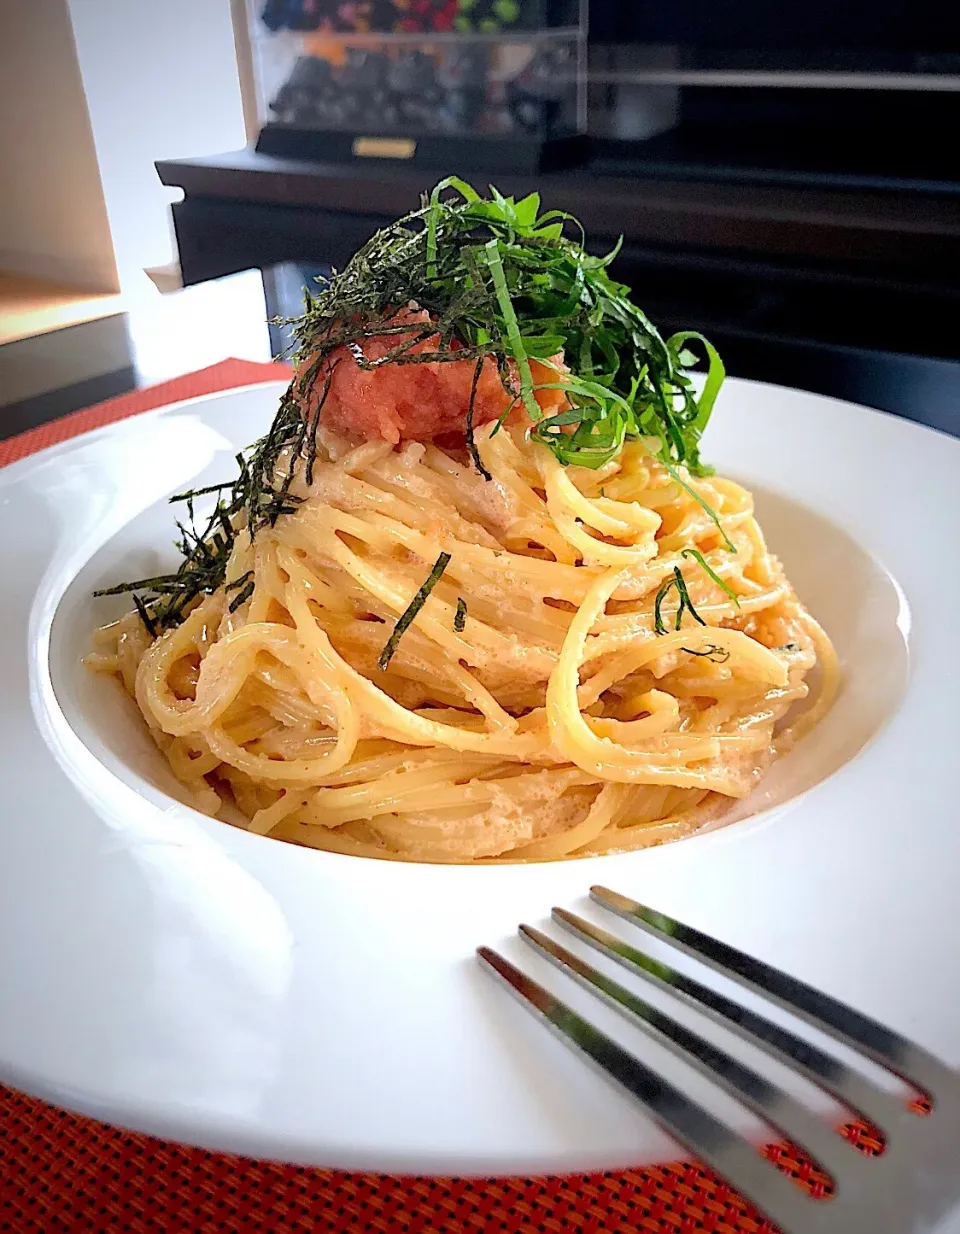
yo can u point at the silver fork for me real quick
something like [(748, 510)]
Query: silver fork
[(909, 1189)]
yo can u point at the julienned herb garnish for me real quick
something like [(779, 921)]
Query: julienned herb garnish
[(460, 617), (677, 580), (414, 607), (499, 280), (699, 557)]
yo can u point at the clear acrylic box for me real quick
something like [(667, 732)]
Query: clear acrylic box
[(509, 76)]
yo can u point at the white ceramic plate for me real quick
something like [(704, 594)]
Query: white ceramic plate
[(168, 972)]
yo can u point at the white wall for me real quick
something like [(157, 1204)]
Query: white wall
[(53, 220), (161, 82)]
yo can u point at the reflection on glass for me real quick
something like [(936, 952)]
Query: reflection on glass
[(408, 67)]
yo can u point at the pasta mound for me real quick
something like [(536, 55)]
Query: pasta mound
[(584, 706)]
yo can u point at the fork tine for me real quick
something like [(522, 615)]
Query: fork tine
[(873, 1039), (769, 1101), (822, 1068), (703, 1134)]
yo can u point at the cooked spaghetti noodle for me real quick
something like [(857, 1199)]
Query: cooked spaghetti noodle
[(474, 596)]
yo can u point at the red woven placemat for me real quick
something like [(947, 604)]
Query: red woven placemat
[(223, 376), (60, 1172)]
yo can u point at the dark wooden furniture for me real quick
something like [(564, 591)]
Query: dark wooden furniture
[(245, 208)]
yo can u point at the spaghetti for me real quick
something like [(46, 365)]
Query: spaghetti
[(552, 635), (557, 722)]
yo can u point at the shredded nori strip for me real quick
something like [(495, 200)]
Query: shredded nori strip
[(471, 440), (410, 612), (149, 623)]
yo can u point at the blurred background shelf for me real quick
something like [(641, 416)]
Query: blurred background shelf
[(32, 306), (786, 178)]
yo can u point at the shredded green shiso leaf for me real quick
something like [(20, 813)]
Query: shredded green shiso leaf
[(685, 604), (711, 573), (501, 280)]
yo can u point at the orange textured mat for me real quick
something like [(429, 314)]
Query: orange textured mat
[(60, 1172)]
